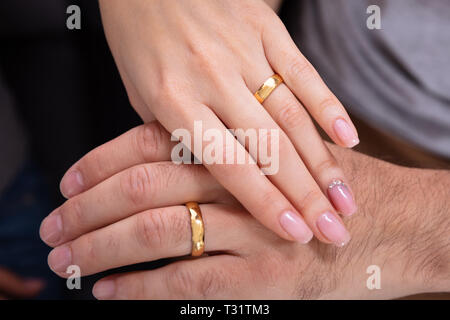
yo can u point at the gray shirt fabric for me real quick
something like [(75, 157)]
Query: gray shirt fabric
[(12, 140), (396, 78)]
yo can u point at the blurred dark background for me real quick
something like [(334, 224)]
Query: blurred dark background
[(68, 98), (64, 82)]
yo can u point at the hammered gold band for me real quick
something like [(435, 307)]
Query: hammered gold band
[(268, 86), (198, 229)]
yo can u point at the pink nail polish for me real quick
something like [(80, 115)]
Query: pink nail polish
[(346, 133), (294, 225), (51, 229), (342, 198), (332, 229), (60, 258), (71, 184)]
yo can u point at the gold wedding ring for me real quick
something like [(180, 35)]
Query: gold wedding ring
[(268, 86), (198, 229)]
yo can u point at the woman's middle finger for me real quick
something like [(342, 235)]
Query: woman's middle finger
[(295, 121), (292, 177)]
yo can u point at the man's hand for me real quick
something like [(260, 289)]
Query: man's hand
[(131, 211)]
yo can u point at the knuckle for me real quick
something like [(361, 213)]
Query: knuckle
[(208, 59), (204, 56), (167, 95), (149, 139), (161, 228), (326, 165), (209, 284), (204, 284), (292, 116), (176, 94), (180, 280), (205, 60), (307, 200), (326, 104), (136, 184), (152, 229), (222, 78), (255, 16), (299, 68), (179, 232), (170, 91)]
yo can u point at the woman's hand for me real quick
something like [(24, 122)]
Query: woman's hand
[(194, 60)]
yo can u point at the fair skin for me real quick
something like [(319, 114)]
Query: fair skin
[(131, 212), (190, 60)]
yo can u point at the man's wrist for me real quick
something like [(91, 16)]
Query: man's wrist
[(434, 230), (400, 227)]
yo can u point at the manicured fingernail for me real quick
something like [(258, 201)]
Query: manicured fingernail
[(51, 229), (332, 229), (294, 225), (342, 198), (104, 289), (71, 184), (60, 258), (346, 133)]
